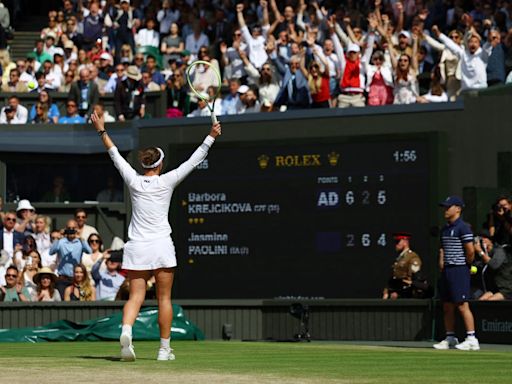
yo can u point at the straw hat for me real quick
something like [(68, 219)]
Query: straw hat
[(132, 72), (44, 271)]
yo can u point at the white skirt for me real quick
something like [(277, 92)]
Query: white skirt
[(148, 255)]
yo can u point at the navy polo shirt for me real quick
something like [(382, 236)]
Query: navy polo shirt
[(453, 238)]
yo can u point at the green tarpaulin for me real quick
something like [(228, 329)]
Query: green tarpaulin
[(106, 328)]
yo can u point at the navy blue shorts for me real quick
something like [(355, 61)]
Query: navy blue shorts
[(454, 284)]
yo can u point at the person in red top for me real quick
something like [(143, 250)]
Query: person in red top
[(352, 71), (318, 81)]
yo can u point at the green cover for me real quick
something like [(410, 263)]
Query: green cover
[(106, 328)]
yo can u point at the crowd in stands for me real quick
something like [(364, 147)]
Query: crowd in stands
[(68, 264), (272, 55)]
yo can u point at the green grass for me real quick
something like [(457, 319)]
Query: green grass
[(316, 361)]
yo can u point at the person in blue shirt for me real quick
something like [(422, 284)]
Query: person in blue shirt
[(69, 252), (72, 116), (456, 254), (109, 280)]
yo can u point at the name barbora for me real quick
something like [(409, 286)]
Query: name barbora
[(198, 237)]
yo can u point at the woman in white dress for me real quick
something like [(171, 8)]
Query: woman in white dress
[(150, 250)]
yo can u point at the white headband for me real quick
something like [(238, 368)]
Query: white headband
[(156, 163)]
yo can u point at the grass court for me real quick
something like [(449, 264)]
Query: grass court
[(252, 362)]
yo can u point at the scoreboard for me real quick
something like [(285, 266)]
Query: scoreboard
[(296, 219)]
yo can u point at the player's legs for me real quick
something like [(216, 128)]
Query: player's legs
[(164, 279), (467, 316), (138, 280)]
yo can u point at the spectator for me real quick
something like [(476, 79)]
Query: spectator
[(473, 58), (268, 87), (294, 92), (6, 64), (177, 96), (32, 265), (111, 193), (148, 37), (40, 54), (5, 23), (51, 76), (43, 239), (202, 106), (231, 104), (81, 288), (89, 259), (256, 40), (230, 57), (250, 101), (100, 111), (156, 75), (148, 83), (499, 221), (10, 239), (45, 280), (19, 113), (84, 93), (8, 116), (13, 290), (436, 93), (318, 81), (69, 252), (72, 116), (196, 39), (118, 76), (109, 280), (124, 22), (220, 29), (53, 29), (168, 15), (72, 33), (69, 80), (405, 70), (84, 230), (14, 84), (51, 109), (26, 215), (498, 261), (41, 114), (26, 69), (129, 100), (59, 193), (496, 62), (92, 27)]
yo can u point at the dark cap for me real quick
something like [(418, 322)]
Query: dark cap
[(184, 53), (452, 200), (402, 235), (116, 256)]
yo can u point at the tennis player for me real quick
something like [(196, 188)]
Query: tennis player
[(150, 250)]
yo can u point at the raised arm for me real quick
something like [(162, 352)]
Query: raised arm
[(341, 33), (176, 176), (240, 15), (414, 58), (264, 7), (125, 169), (273, 5), (449, 43)]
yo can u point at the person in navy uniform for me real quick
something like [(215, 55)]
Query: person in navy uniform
[(456, 254), (405, 280)]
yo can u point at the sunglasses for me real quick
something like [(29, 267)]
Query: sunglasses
[(403, 60), (10, 219), (15, 276), (94, 241), (80, 217), (71, 105)]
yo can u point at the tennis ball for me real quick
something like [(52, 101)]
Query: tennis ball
[(31, 85), (473, 269)]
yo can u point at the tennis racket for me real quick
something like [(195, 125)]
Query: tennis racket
[(203, 74)]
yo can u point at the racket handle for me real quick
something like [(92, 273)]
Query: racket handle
[(214, 119)]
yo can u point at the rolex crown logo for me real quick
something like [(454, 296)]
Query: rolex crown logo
[(333, 158), (263, 161)]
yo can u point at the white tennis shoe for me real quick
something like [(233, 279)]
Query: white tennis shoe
[(165, 354), (447, 343), (127, 350), (469, 345)]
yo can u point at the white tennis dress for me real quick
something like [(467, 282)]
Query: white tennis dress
[(150, 245)]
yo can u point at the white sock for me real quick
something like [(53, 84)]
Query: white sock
[(165, 343), (127, 329)]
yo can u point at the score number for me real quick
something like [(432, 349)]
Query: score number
[(405, 156), (365, 240)]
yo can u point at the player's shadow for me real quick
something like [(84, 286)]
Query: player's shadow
[(107, 358)]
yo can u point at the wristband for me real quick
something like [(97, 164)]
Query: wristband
[(101, 133)]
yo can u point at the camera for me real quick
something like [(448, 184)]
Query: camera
[(69, 231)]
